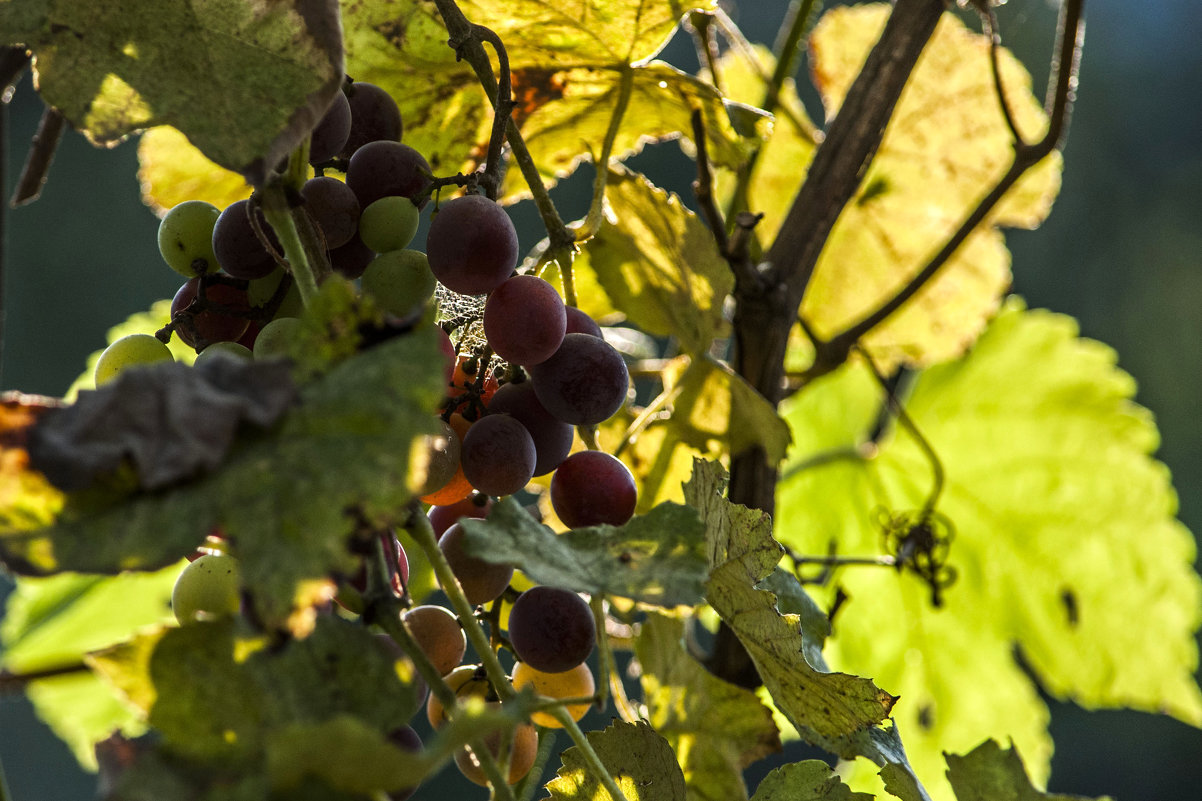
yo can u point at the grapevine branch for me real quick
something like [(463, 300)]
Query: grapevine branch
[(41, 154)]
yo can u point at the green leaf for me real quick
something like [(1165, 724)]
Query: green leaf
[(641, 762), (656, 558), (282, 498), (171, 170), (716, 728), (991, 773), (659, 263), (830, 709), (808, 780), (246, 92), (82, 710), (1066, 545)]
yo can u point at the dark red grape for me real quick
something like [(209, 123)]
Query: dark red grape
[(238, 249), (448, 349), (374, 117), (443, 517), (581, 323), (524, 320), (472, 245), (220, 322), (552, 437), (351, 259), (592, 488), (481, 581), (398, 576), (330, 135), (584, 382), (551, 629), (383, 169), (498, 455), (334, 209), (407, 739)]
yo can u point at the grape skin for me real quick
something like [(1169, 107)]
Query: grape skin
[(441, 517), (525, 320), (186, 238), (498, 455), (551, 629), (592, 488), (584, 383), (389, 223), (329, 137), (481, 581), (438, 634), (383, 169), (472, 245), (211, 324), (206, 588), (374, 117), (575, 683), (334, 209), (400, 281), (552, 437), (523, 750), (132, 350)]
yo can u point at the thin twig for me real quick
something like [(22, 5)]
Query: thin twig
[(592, 222), (502, 109), (15, 682), (41, 154), (703, 187), (989, 26)]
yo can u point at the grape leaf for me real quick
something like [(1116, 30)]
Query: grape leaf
[(641, 762), (246, 92), (808, 780), (945, 147), (172, 421), (829, 709), (991, 773), (659, 263), (716, 728), (567, 68), (1065, 533), (171, 170), (656, 558), (283, 498), (27, 499)]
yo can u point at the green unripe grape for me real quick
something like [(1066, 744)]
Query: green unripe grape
[(186, 238), (400, 281), (274, 340), (388, 223), (231, 349), (259, 291), (131, 350), (207, 588)]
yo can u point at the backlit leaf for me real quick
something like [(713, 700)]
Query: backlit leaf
[(1065, 546), (992, 773), (640, 761), (808, 780), (171, 170), (246, 92)]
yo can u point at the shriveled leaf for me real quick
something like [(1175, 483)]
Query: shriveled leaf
[(246, 92), (284, 497), (992, 773), (659, 263), (656, 558), (171, 421), (1064, 535), (833, 710), (171, 170), (808, 780), (716, 728), (641, 762)]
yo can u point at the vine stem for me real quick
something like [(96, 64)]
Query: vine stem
[(596, 211), (423, 533), (278, 212)]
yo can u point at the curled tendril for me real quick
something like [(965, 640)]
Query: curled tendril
[(919, 541)]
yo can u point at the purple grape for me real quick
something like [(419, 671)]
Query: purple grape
[(352, 259), (581, 323), (330, 135), (481, 581), (238, 249), (584, 383), (334, 209), (443, 517), (592, 488), (552, 437), (498, 455), (213, 324), (384, 169), (524, 320), (472, 245), (551, 629), (374, 117)]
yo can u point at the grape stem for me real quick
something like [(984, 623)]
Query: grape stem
[(420, 529), (592, 221), (533, 780), (278, 212)]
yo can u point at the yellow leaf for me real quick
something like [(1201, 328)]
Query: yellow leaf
[(172, 170)]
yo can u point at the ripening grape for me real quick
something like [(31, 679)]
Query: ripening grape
[(228, 350), (274, 339), (389, 223), (498, 455), (552, 437), (238, 248), (380, 169), (223, 319), (333, 208), (524, 320), (581, 323), (472, 245), (207, 588), (438, 634), (523, 749), (441, 517), (458, 487), (399, 280), (592, 488), (186, 238), (374, 116), (575, 683), (332, 131), (481, 581), (132, 350), (436, 458), (466, 681), (551, 629), (584, 383)]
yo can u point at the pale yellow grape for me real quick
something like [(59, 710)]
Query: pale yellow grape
[(208, 587), (131, 350), (575, 683), (231, 349)]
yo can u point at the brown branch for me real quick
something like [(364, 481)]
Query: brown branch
[(41, 154), (16, 682), (703, 187)]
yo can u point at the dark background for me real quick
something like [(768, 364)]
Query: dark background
[(1122, 252)]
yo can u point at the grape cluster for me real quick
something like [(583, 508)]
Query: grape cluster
[(522, 370)]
